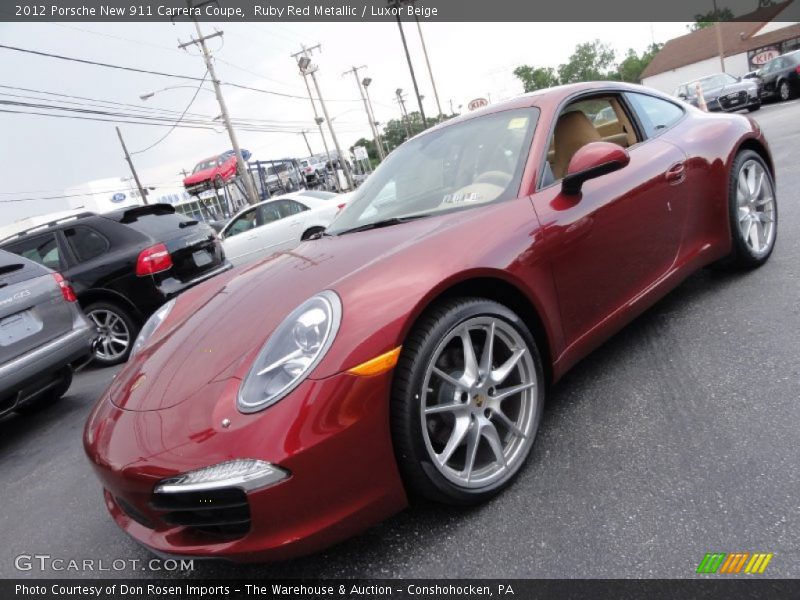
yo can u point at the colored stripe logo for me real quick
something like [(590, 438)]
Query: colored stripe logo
[(734, 562)]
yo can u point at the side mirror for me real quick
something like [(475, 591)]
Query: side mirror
[(593, 160), (683, 96)]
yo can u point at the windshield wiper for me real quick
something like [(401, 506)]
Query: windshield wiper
[(383, 223)]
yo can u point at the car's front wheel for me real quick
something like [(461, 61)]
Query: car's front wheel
[(116, 331), (784, 91), (753, 211), (467, 400)]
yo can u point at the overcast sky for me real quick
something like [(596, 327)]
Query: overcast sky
[(41, 156)]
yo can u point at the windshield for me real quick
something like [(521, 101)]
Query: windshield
[(712, 81), (460, 166), (206, 164)]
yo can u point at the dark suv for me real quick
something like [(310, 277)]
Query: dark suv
[(123, 265), (780, 77)]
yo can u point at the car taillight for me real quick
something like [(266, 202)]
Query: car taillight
[(153, 260), (66, 288), (342, 205), (797, 69)]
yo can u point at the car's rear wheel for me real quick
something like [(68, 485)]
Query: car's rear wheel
[(48, 397), (116, 331), (467, 400), (311, 232), (753, 212), (784, 91)]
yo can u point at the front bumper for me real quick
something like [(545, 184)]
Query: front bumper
[(331, 435)]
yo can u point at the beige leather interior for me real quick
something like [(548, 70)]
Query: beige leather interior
[(577, 131), (573, 131)]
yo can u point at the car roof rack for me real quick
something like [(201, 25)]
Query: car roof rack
[(48, 225)]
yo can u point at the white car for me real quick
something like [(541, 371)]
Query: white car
[(278, 224)]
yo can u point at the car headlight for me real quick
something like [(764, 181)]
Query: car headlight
[(151, 325), (292, 351)]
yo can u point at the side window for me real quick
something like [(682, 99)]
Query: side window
[(288, 208), (599, 119), (243, 222), (655, 114), (42, 249), (269, 213), (86, 243)]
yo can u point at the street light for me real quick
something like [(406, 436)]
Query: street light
[(149, 95)]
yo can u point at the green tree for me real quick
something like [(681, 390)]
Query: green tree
[(631, 67), (536, 78), (703, 20), (591, 61)]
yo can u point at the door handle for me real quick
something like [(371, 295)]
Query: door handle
[(676, 173)]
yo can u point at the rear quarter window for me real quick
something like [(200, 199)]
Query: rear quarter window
[(655, 114)]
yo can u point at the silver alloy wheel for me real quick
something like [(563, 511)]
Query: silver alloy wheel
[(755, 201), (478, 414), (784, 90), (113, 333)]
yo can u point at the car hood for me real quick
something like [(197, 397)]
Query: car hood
[(216, 329), (203, 175), (730, 89)]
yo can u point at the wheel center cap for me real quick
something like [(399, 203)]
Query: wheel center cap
[(479, 400)]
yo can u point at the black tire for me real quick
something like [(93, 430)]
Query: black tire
[(784, 91), (742, 255), (47, 398), (421, 476), (754, 107), (311, 232), (102, 356)]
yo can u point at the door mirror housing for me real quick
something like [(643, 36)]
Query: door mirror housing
[(595, 159)]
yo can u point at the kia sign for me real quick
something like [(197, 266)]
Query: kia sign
[(477, 103), (118, 197), (763, 55)]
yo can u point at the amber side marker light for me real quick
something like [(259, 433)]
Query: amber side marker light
[(379, 364)]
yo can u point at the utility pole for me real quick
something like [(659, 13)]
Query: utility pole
[(379, 139), (430, 71), (252, 195), (401, 102), (304, 63), (718, 27), (184, 172), (396, 4), (310, 153), (452, 110), (133, 169), (354, 71), (319, 121)]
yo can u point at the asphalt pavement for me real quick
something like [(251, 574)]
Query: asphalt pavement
[(679, 436)]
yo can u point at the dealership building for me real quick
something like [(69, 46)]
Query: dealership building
[(745, 43)]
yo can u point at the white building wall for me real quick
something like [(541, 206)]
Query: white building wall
[(669, 80)]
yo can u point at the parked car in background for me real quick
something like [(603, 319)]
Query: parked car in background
[(123, 265), (313, 169), (279, 224), (408, 352), (781, 77), (43, 334), (213, 172), (284, 176), (722, 92)]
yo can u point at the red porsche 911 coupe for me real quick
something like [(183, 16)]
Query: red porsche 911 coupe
[(284, 406)]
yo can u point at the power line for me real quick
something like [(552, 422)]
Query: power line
[(183, 114), (158, 73)]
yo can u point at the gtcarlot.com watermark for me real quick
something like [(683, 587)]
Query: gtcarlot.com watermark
[(47, 562)]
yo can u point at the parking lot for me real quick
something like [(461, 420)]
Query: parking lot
[(676, 438)]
